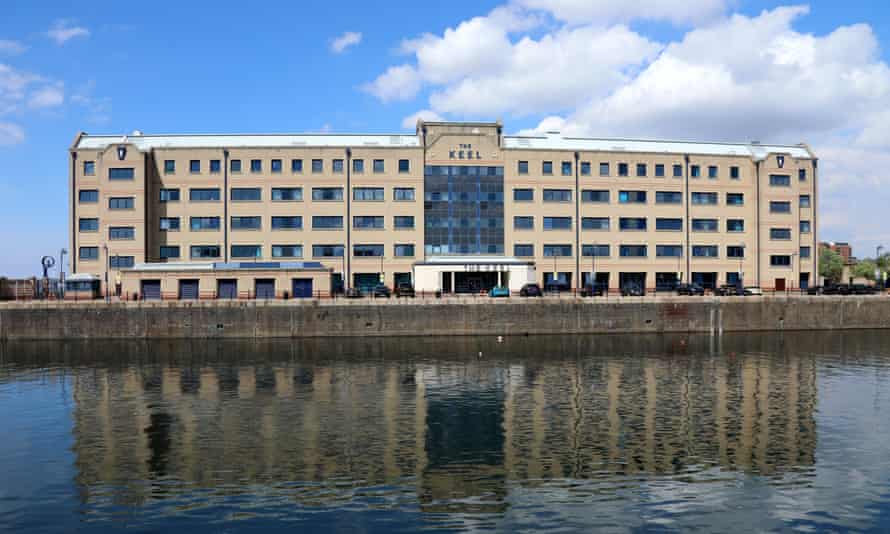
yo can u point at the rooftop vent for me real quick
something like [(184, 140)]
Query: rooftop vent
[(137, 133)]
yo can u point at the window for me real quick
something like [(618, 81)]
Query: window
[(595, 195), (215, 166), (604, 169), (557, 250), (595, 223), (632, 224), (779, 207), (805, 201), (276, 166), (121, 203), (379, 166), (734, 173), (368, 194), (695, 171), (780, 261), (287, 251), (367, 251), (235, 165), (169, 166), (366, 222), (802, 175), (735, 252), (88, 196), (247, 251), (289, 222), (88, 253), (122, 262), (804, 252), (632, 197), (704, 225), (88, 225), (403, 222), (678, 171), (358, 166), (204, 195), (641, 169), (169, 224), (296, 165), (804, 227), (659, 170), (622, 169), (317, 166), (256, 165), (169, 252), (327, 193), (780, 234), (327, 222), (735, 199), (669, 225), (557, 195), (668, 197), (405, 166), (523, 223), (705, 251), (337, 166), (585, 168), (547, 168), (524, 251), (704, 198), (523, 195), (287, 194), (595, 251), (204, 251), (668, 251), (566, 168), (195, 166), (327, 251), (712, 172), (168, 195), (197, 224), (121, 173), (246, 223), (246, 194), (403, 251), (557, 223), (89, 168), (121, 233), (523, 167), (735, 225), (780, 180), (404, 194), (633, 251)]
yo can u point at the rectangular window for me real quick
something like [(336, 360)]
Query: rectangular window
[(379, 166), (804, 227), (557, 195), (669, 225), (403, 251), (403, 222), (632, 197), (780, 261), (735, 225), (368, 194), (566, 168), (288, 222), (735, 252), (121, 203), (595, 195), (659, 170), (168, 195), (632, 224), (524, 251), (317, 166), (122, 262), (595, 223), (169, 252), (523, 223), (405, 167), (296, 165), (327, 251), (247, 251), (287, 251), (168, 224), (256, 165), (779, 207), (596, 251), (641, 169), (358, 166), (678, 171), (735, 199), (557, 223), (246, 223), (561, 251), (121, 233), (547, 168), (197, 224), (633, 251), (337, 166), (604, 169), (585, 168), (367, 251), (668, 251), (89, 168), (246, 194), (622, 169), (523, 167), (204, 195), (235, 165), (287, 194), (695, 171), (805, 201), (704, 198), (276, 166), (780, 234), (88, 196), (121, 173), (668, 197), (712, 172), (327, 193), (403, 194), (215, 166), (705, 251), (704, 225), (169, 166), (523, 195), (804, 253), (368, 222), (195, 166), (327, 222), (734, 173), (780, 180), (198, 252), (88, 225), (802, 175), (88, 253)]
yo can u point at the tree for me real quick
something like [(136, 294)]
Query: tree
[(831, 265), (865, 269)]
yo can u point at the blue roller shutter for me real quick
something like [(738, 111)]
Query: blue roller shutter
[(302, 288), (151, 290), (227, 289), (188, 290), (265, 288)]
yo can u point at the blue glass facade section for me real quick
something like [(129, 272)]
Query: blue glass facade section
[(463, 210)]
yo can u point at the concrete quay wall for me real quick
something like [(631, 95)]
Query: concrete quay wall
[(294, 319)]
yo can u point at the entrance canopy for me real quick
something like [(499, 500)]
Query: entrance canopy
[(472, 274)]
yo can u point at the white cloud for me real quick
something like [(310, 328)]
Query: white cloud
[(11, 48), (609, 11), (14, 86), (401, 82), (410, 122), (64, 30), (47, 97), (340, 44), (11, 134)]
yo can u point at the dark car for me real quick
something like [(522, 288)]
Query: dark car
[(531, 290), (593, 290), (729, 290), (404, 290), (381, 291), (632, 290), (354, 293), (557, 287), (690, 290), (862, 289), (816, 290)]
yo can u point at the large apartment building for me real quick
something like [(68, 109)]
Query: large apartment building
[(456, 207)]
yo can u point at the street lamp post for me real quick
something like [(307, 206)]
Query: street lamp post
[(107, 267), (877, 265), (62, 271)]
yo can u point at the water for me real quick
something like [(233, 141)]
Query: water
[(558, 434)]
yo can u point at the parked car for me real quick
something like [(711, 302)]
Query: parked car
[(862, 289), (593, 290), (557, 287), (531, 290), (381, 291), (729, 290), (632, 290), (816, 290), (499, 292), (690, 290), (753, 291), (354, 293), (404, 290)]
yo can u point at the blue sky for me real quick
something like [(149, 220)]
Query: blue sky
[(108, 67)]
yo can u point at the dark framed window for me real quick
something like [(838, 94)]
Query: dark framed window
[(596, 251), (88, 225), (585, 168), (623, 170), (735, 251), (195, 166), (203, 223), (121, 262), (805, 252), (204, 195), (805, 227), (735, 225), (523, 195), (659, 170), (604, 169), (632, 224), (523, 223), (252, 222), (327, 222), (256, 165), (704, 225), (641, 169), (802, 175), (633, 251), (287, 251), (327, 251), (632, 197), (368, 194), (734, 173), (89, 168), (779, 207), (88, 196), (121, 233), (403, 251), (296, 165), (169, 252), (805, 201), (204, 251), (779, 180), (524, 251), (704, 198), (247, 251), (780, 261), (276, 166), (317, 166), (367, 251), (121, 203), (337, 166), (403, 222), (668, 197), (668, 251), (368, 222), (246, 194), (287, 194), (235, 165), (169, 166), (404, 167), (287, 222), (780, 234), (678, 171), (404, 194), (358, 166), (121, 173), (379, 166), (695, 171), (669, 225), (523, 167), (595, 195), (595, 223), (557, 195), (705, 251), (735, 199), (713, 172), (88, 253), (566, 168), (327, 193), (168, 224), (561, 251), (215, 166), (547, 168), (557, 223)]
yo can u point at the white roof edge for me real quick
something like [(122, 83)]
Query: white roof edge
[(259, 140)]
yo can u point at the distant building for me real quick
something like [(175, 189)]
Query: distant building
[(844, 249)]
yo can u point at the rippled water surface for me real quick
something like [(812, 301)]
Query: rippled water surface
[(573, 434)]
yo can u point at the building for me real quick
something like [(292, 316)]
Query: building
[(456, 207), (843, 249)]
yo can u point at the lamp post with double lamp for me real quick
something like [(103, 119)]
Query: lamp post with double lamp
[(107, 267), (740, 285), (62, 272)]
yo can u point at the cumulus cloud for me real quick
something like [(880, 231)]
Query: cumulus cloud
[(11, 134), (348, 39), (409, 122), (401, 82), (47, 97), (606, 11), (11, 48), (64, 30)]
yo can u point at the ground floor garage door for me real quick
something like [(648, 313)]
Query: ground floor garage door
[(706, 280), (188, 290), (227, 289), (302, 288), (365, 281), (151, 289), (265, 288)]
